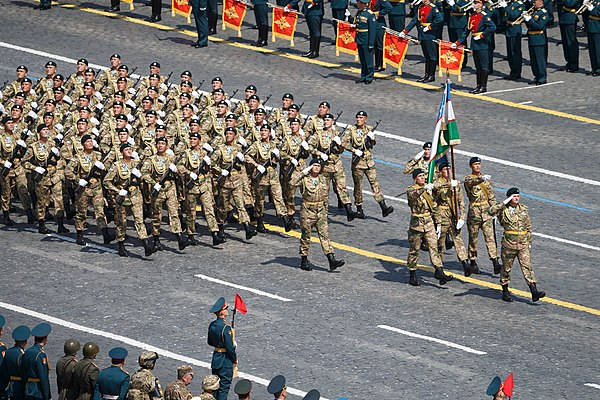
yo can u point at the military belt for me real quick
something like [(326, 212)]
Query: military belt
[(421, 215), (477, 34), (479, 203), (220, 350), (425, 24), (15, 378), (362, 30), (594, 18), (313, 203), (457, 14), (30, 379), (535, 32), (444, 207), (110, 396), (397, 1), (516, 232), (567, 9)]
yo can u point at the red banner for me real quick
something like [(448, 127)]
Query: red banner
[(234, 12), (451, 60), (180, 7), (394, 50), (284, 24), (346, 39)]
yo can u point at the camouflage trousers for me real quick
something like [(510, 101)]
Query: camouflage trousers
[(8, 183), (136, 203), (357, 177), (523, 254), (233, 195), (247, 185), (269, 183), (474, 225), (448, 226), (288, 192), (207, 201), (168, 196), (46, 191), (314, 215), (335, 172), (414, 239), (91, 194)]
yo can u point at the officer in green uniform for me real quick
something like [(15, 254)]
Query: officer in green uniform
[(339, 10), (199, 9), (221, 337), (457, 21), (277, 387), (313, 11), (261, 14), (567, 21), (380, 8), (113, 382), (243, 388), (397, 15), (592, 28), (366, 35), (35, 367), (10, 369), (538, 42), (513, 33), (64, 371)]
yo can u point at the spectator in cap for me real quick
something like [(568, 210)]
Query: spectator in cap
[(243, 388), (210, 385), (113, 382), (178, 390), (10, 367), (35, 367)]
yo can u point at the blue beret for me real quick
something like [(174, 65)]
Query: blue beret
[(2, 321), (118, 353), (494, 386), (218, 306), (41, 330), (243, 387), (312, 395), (276, 385), (21, 333)]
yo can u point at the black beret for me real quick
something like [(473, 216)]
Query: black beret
[(85, 108), (254, 97), (251, 87), (290, 120), (186, 83), (40, 127), (5, 120), (153, 88), (314, 161), (84, 120), (88, 84), (189, 96), (195, 120), (151, 112), (231, 116), (50, 101), (223, 103), (230, 129), (17, 107), (90, 70), (218, 91), (511, 191), (186, 73), (295, 107), (260, 110), (50, 64), (82, 61), (265, 126), (188, 106), (122, 117), (118, 103), (217, 79), (160, 139), (84, 96), (59, 89), (328, 115), (24, 68), (154, 76), (325, 103), (194, 135), (161, 127), (121, 79), (21, 94), (26, 80), (416, 172), (125, 67), (122, 130), (49, 114), (124, 146), (287, 96), (59, 77), (85, 138), (115, 55), (473, 160), (155, 64), (120, 93), (443, 165), (426, 145), (361, 114), (148, 98)]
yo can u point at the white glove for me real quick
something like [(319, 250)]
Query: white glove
[(478, 37), (129, 128), (83, 183), (135, 155), (99, 165), (98, 95), (438, 231), (450, 2), (94, 143), (508, 199), (55, 151), (160, 122), (32, 114), (428, 186), (486, 178), (162, 98), (306, 170), (358, 152), (294, 161), (207, 160), (324, 157), (130, 117), (99, 106), (7, 164), (59, 128), (261, 169), (130, 141), (131, 90), (161, 113), (304, 145), (371, 135), (459, 224), (21, 143), (195, 94), (590, 6), (157, 187), (426, 29), (59, 137), (275, 152), (173, 168), (453, 46), (94, 121), (136, 172), (163, 87), (1, 95), (286, 9), (207, 147), (454, 183), (193, 175), (34, 105), (240, 156), (169, 152), (402, 35), (224, 172), (419, 155), (195, 109), (526, 16), (242, 141), (122, 192), (502, 4), (96, 132), (68, 100), (337, 140), (130, 103)]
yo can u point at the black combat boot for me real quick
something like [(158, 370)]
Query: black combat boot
[(340, 204), (287, 223), (114, 6), (61, 225), (231, 218), (304, 265), (430, 67), (333, 263), (260, 225), (181, 241), (122, 251), (350, 215), (108, 237), (312, 46), (360, 213), (317, 44), (80, 241), (30, 217), (221, 233), (497, 266), (42, 227), (483, 83), (250, 232), (466, 268), (6, 220), (535, 293), (474, 267), (441, 276), (251, 213), (506, 294), (148, 247), (216, 240), (413, 280), (449, 241), (478, 87), (192, 240), (385, 210), (157, 245)]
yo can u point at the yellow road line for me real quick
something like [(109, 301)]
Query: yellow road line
[(478, 282), (326, 64)]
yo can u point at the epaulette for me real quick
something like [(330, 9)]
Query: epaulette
[(544, 10), (483, 13), (370, 11)]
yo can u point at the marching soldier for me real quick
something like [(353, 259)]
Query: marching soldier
[(313, 11), (424, 225), (35, 367), (46, 84), (10, 369), (143, 384), (538, 42), (513, 33), (314, 187), (420, 160), (516, 242), (113, 382), (480, 192), (592, 28), (222, 337), (360, 144), (15, 86), (366, 37), (178, 390), (85, 372), (64, 371), (567, 20)]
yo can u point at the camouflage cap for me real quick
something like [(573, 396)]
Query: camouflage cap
[(183, 370), (210, 382)]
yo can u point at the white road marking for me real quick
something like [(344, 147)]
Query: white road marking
[(233, 285), (523, 88), (593, 385), (585, 246), (71, 240), (526, 102), (135, 343), (382, 134), (432, 339), (384, 196)]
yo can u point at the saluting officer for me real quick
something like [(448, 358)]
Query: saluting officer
[(366, 36)]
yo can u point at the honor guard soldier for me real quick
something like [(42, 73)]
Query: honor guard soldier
[(64, 371), (200, 11), (339, 11), (210, 385), (86, 372), (513, 33), (380, 8), (427, 19), (480, 192), (516, 242), (360, 144), (313, 11), (10, 370), (592, 28), (567, 20), (35, 367), (143, 384), (314, 187), (156, 11), (222, 337), (178, 390), (424, 225), (243, 388), (457, 21), (366, 36), (277, 388), (538, 42), (261, 15), (480, 26), (113, 382), (397, 15)]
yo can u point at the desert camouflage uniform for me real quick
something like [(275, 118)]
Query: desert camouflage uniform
[(481, 198), (364, 165), (144, 386), (424, 214), (444, 198), (177, 391)]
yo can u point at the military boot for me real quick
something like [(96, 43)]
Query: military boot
[(192, 240), (287, 223), (478, 87), (80, 241), (430, 67), (497, 266), (30, 217), (350, 215), (6, 220), (251, 213), (304, 265), (535, 293), (61, 225), (506, 294), (378, 61), (441, 276), (312, 46), (122, 251), (250, 232), (424, 77), (221, 233), (157, 245), (108, 237), (317, 44), (42, 227), (148, 247), (333, 263), (231, 218), (466, 268), (474, 267), (216, 239), (260, 225), (360, 213), (181, 241), (448, 241), (385, 209), (482, 83), (413, 280), (340, 204)]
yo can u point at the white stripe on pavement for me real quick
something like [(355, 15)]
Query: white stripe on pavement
[(432, 339), (134, 343), (523, 88), (383, 134), (71, 240), (249, 289), (593, 385)]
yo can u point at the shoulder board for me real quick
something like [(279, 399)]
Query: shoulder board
[(432, 5), (483, 13), (370, 12), (544, 10)]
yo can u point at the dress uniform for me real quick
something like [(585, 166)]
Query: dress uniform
[(339, 10), (538, 42), (516, 242), (64, 371), (261, 14), (35, 367), (397, 15), (222, 337), (156, 11), (592, 28), (313, 11), (457, 21), (200, 11), (86, 372), (277, 387), (213, 16), (513, 34), (567, 21), (493, 12), (113, 382), (10, 369), (380, 8)]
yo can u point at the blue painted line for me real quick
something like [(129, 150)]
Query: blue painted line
[(498, 189)]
